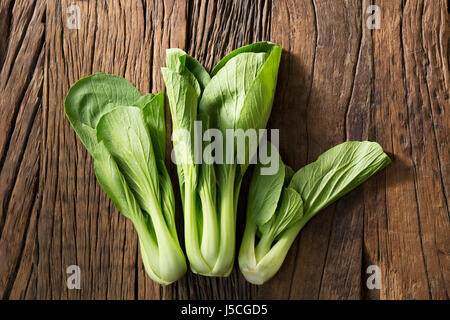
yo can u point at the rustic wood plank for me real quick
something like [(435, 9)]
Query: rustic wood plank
[(342, 278), (21, 56), (20, 99), (435, 73), (412, 239), (359, 121), (21, 225), (23, 196), (5, 27), (398, 232)]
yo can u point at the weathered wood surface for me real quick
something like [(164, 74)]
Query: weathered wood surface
[(338, 81)]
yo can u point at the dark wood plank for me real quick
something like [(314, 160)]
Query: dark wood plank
[(21, 79), (343, 276), (412, 230), (5, 27), (22, 55)]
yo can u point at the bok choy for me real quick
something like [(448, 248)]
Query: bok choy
[(125, 134), (236, 96), (280, 205)]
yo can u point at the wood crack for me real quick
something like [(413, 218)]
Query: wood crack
[(412, 152), (13, 277), (352, 85)]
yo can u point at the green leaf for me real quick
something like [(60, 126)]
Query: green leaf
[(288, 175), (289, 212), (144, 100), (262, 46), (240, 94), (127, 138), (125, 135), (183, 108), (167, 197), (153, 112), (93, 96), (258, 101), (264, 192), (114, 184), (223, 98), (336, 172), (207, 174), (189, 68), (185, 79), (198, 71)]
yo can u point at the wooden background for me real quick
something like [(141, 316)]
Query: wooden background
[(338, 81)]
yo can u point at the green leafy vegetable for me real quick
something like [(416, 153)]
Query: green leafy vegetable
[(280, 205), (238, 95), (125, 134)]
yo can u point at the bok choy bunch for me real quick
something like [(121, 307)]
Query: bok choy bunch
[(280, 205), (236, 96), (125, 134)]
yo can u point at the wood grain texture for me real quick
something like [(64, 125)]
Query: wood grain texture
[(338, 81)]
